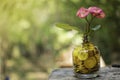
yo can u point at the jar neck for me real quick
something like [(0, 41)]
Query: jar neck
[(85, 39)]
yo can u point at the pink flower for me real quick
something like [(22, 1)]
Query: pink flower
[(82, 12), (95, 11)]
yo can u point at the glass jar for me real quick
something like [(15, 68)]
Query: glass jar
[(86, 60)]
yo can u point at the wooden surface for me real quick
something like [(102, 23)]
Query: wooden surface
[(106, 73)]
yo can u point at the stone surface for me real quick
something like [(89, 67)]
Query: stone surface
[(106, 73)]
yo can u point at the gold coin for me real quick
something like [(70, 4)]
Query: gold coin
[(91, 53), (82, 55), (84, 71), (81, 67), (97, 57), (90, 62), (76, 51), (76, 60)]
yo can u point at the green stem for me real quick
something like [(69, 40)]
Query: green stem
[(92, 18), (88, 27), (85, 39)]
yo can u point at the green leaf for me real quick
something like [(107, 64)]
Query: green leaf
[(96, 27), (67, 27)]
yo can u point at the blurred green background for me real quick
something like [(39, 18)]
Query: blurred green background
[(31, 46)]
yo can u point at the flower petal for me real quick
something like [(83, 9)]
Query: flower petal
[(82, 12), (98, 12)]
